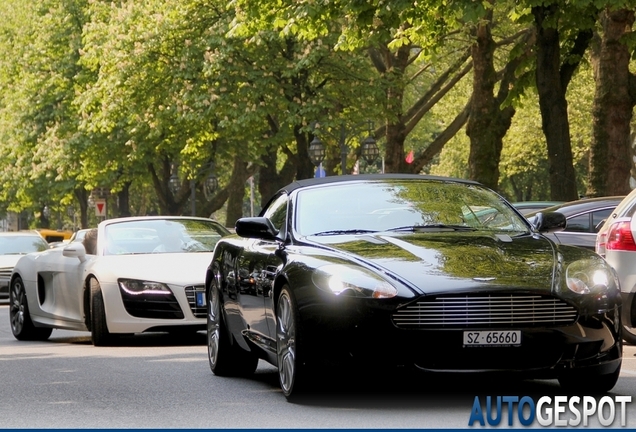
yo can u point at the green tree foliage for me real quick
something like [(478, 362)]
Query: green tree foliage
[(39, 133), (145, 105), (131, 95)]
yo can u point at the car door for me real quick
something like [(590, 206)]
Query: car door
[(60, 287), (257, 268), (581, 229)]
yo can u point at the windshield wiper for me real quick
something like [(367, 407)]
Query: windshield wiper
[(433, 227), (343, 232)]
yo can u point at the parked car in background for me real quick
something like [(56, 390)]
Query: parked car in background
[(121, 283), (526, 207), (13, 245), (396, 272), (77, 236), (583, 219), (51, 235), (615, 242)]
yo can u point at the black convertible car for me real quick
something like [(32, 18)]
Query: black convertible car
[(410, 272)]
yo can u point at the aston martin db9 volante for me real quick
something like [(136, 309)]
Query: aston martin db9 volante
[(417, 273), (129, 275)]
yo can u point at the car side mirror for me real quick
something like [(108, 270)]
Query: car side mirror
[(256, 227), (75, 250), (548, 222)]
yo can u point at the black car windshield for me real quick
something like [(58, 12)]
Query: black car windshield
[(403, 205)]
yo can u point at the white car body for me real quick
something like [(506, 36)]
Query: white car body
[(57, 284), (616, 242), (13, 245), (7, 263)]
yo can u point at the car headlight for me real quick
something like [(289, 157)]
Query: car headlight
[(352, 281), (136, 287), (589, 276)]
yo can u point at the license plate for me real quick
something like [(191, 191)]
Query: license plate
[(200, 296), (497, 338)]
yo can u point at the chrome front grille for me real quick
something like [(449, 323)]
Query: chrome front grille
[(198, 310), (485, 310)]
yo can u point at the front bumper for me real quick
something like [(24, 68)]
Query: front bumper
[(366, 336), (148, 314)]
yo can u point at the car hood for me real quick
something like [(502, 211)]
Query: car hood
[(9, 260), (170, 268), (442, 262)]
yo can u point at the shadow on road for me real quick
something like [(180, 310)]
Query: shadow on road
[(384, 389), (138, 340)]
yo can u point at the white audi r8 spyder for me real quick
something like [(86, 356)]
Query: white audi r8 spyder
[(130, 275)]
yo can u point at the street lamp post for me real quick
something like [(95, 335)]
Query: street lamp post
[(369, 148)]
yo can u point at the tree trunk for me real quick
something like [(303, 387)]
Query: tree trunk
[(170, 203), (395, 161), (485, 142), (236, 192), (396, 65), (123, 201), (305, 168), (81, 195), (270, 179), (488, 122), (551, 86), (610, 151)]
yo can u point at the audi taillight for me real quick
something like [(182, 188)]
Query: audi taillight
[(620, 237)]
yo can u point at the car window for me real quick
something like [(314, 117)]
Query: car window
[(629, 210), (580, 223), (600, 216), (386, 205), (160, 235), (587, 222), (15, 245), (277, 211)]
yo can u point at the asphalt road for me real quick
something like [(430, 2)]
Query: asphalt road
[(155, 381)]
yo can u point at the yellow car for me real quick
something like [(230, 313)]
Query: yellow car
[(51, 235)]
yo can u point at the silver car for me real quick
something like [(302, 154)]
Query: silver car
[(12, 246), (615, 241)]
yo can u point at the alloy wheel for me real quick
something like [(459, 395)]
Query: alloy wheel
[(214, 330), (286, 343), (16, 312)]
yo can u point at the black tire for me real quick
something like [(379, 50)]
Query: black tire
[(588, 383), (225, 358), (293, 373), (99, 329), (629, 335), (22, 326)]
